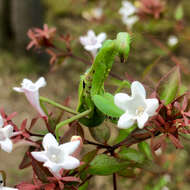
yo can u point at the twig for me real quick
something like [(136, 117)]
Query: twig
[(114, 182)]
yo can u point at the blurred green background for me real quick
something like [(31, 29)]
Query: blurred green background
[(150, 58)]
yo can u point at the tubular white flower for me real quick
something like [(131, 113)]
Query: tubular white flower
[(127, 11), (136, 107), (91, 42), (31, 91), (5, 134), (57, 157)]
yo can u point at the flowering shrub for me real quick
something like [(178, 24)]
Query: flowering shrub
[(147, 118)]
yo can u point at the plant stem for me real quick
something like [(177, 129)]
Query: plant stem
[(96, 144), (43, 107), (69, 110), (61, 124), (114, 182)]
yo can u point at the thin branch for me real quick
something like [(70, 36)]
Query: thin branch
[(114, 182)]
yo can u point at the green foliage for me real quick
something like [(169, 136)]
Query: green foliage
[(144, 147), (104, 165), (84, 186), (100, 133), (169, 86), (124, 133), (105, 103), (131, 154)]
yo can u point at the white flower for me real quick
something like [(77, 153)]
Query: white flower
[(57, 157), (91, 42), (5, 134), (31, 91), (130, 21), (172, 41), (136, 106), (127, 11)]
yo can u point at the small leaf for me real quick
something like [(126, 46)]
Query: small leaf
[(131, 154), (128, 172), (104, 165), (124, 133), (179, 13), (169, 86), (106, 105), (84, 186), (87, 158), (145, 149), (100, 133), (41, 172)]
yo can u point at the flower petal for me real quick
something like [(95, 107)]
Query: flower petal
[(41, 82), (40, 156), (152, 106), (1, 121), (54, 167), (70, 163), (49, 140), (7, 145), (93, 47), (8, 188), (121, 100), (141, 120), (91, 33), (70, 147), (101, 37), (7, 131), (18, 89), (125, 121), (33, 98), (138, 89)]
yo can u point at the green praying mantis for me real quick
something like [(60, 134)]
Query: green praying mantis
[(92, 82)]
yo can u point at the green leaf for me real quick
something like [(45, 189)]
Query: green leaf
[(106, 105), (128, 172), (84, 186), (145, 149), (123, 44), (131, 154), (169, 86), (100, 133), (104, 165), (124, 133), (179, 13), (87, 158)]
